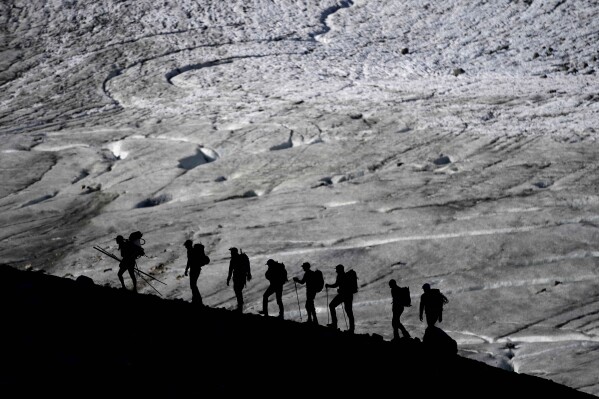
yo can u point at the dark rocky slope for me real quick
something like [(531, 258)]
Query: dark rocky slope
[(73, 338)]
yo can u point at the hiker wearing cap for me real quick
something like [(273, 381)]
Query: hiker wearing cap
[(239, 270), (196, 259), (401, 298), (314, 282), (345, 296), (276, 274), (128, 256), (431, 303)]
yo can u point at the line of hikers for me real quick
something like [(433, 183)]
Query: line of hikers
[(346, 282)]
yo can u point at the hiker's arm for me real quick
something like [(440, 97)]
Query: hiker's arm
[(421, 308), (230, 271), (187, 268), (334, 285), (302, 281)]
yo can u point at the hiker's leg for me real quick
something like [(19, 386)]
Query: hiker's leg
[(279, 296), (334, 303), (132, 275), (431, 318), (395, 324), (120, 274), (269, 291), (348, 303), (193, 283), (404, 332), (310, 307), (238, 288)]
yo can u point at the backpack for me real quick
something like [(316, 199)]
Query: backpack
[(200, 256), (245, 263), (437, 299), (318, 281), (404, 296), (276, 274), (351, 281), (135, 242), (283, 273)]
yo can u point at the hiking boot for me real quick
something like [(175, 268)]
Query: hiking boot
[(280, 316), (332, 325)]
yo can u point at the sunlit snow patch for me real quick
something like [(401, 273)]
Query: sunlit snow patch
[(202, 156), (117, 149)]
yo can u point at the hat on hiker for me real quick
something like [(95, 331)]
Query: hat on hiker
[(339, 267), (305, 265), (188, 243)]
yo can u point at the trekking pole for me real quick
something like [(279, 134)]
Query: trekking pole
[(298, 304), (146, 281), (150, 276), (328, 310), (107, 253), (343, 308)]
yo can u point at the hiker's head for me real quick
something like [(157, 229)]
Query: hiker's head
[(270, 262), (188, 244), (426, 287), (119, 239), (306, 266), (392, 283), (339, 268), (233, 250)]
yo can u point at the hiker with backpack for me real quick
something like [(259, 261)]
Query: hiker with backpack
[(196, 259), (239, 270), (276, 274), (314, 283), (431, 303), (130, 250), (347, 286), (401, 298)]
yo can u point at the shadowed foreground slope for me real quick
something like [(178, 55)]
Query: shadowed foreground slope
[(65, 337)]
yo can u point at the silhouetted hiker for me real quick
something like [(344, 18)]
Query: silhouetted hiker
[(347, 287), (196, 259), (129, 253), (239, 269), (276, 274), (401, 298), (431, 303), (314, 283)]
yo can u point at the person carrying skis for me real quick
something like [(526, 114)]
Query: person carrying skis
[(129, 254)]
